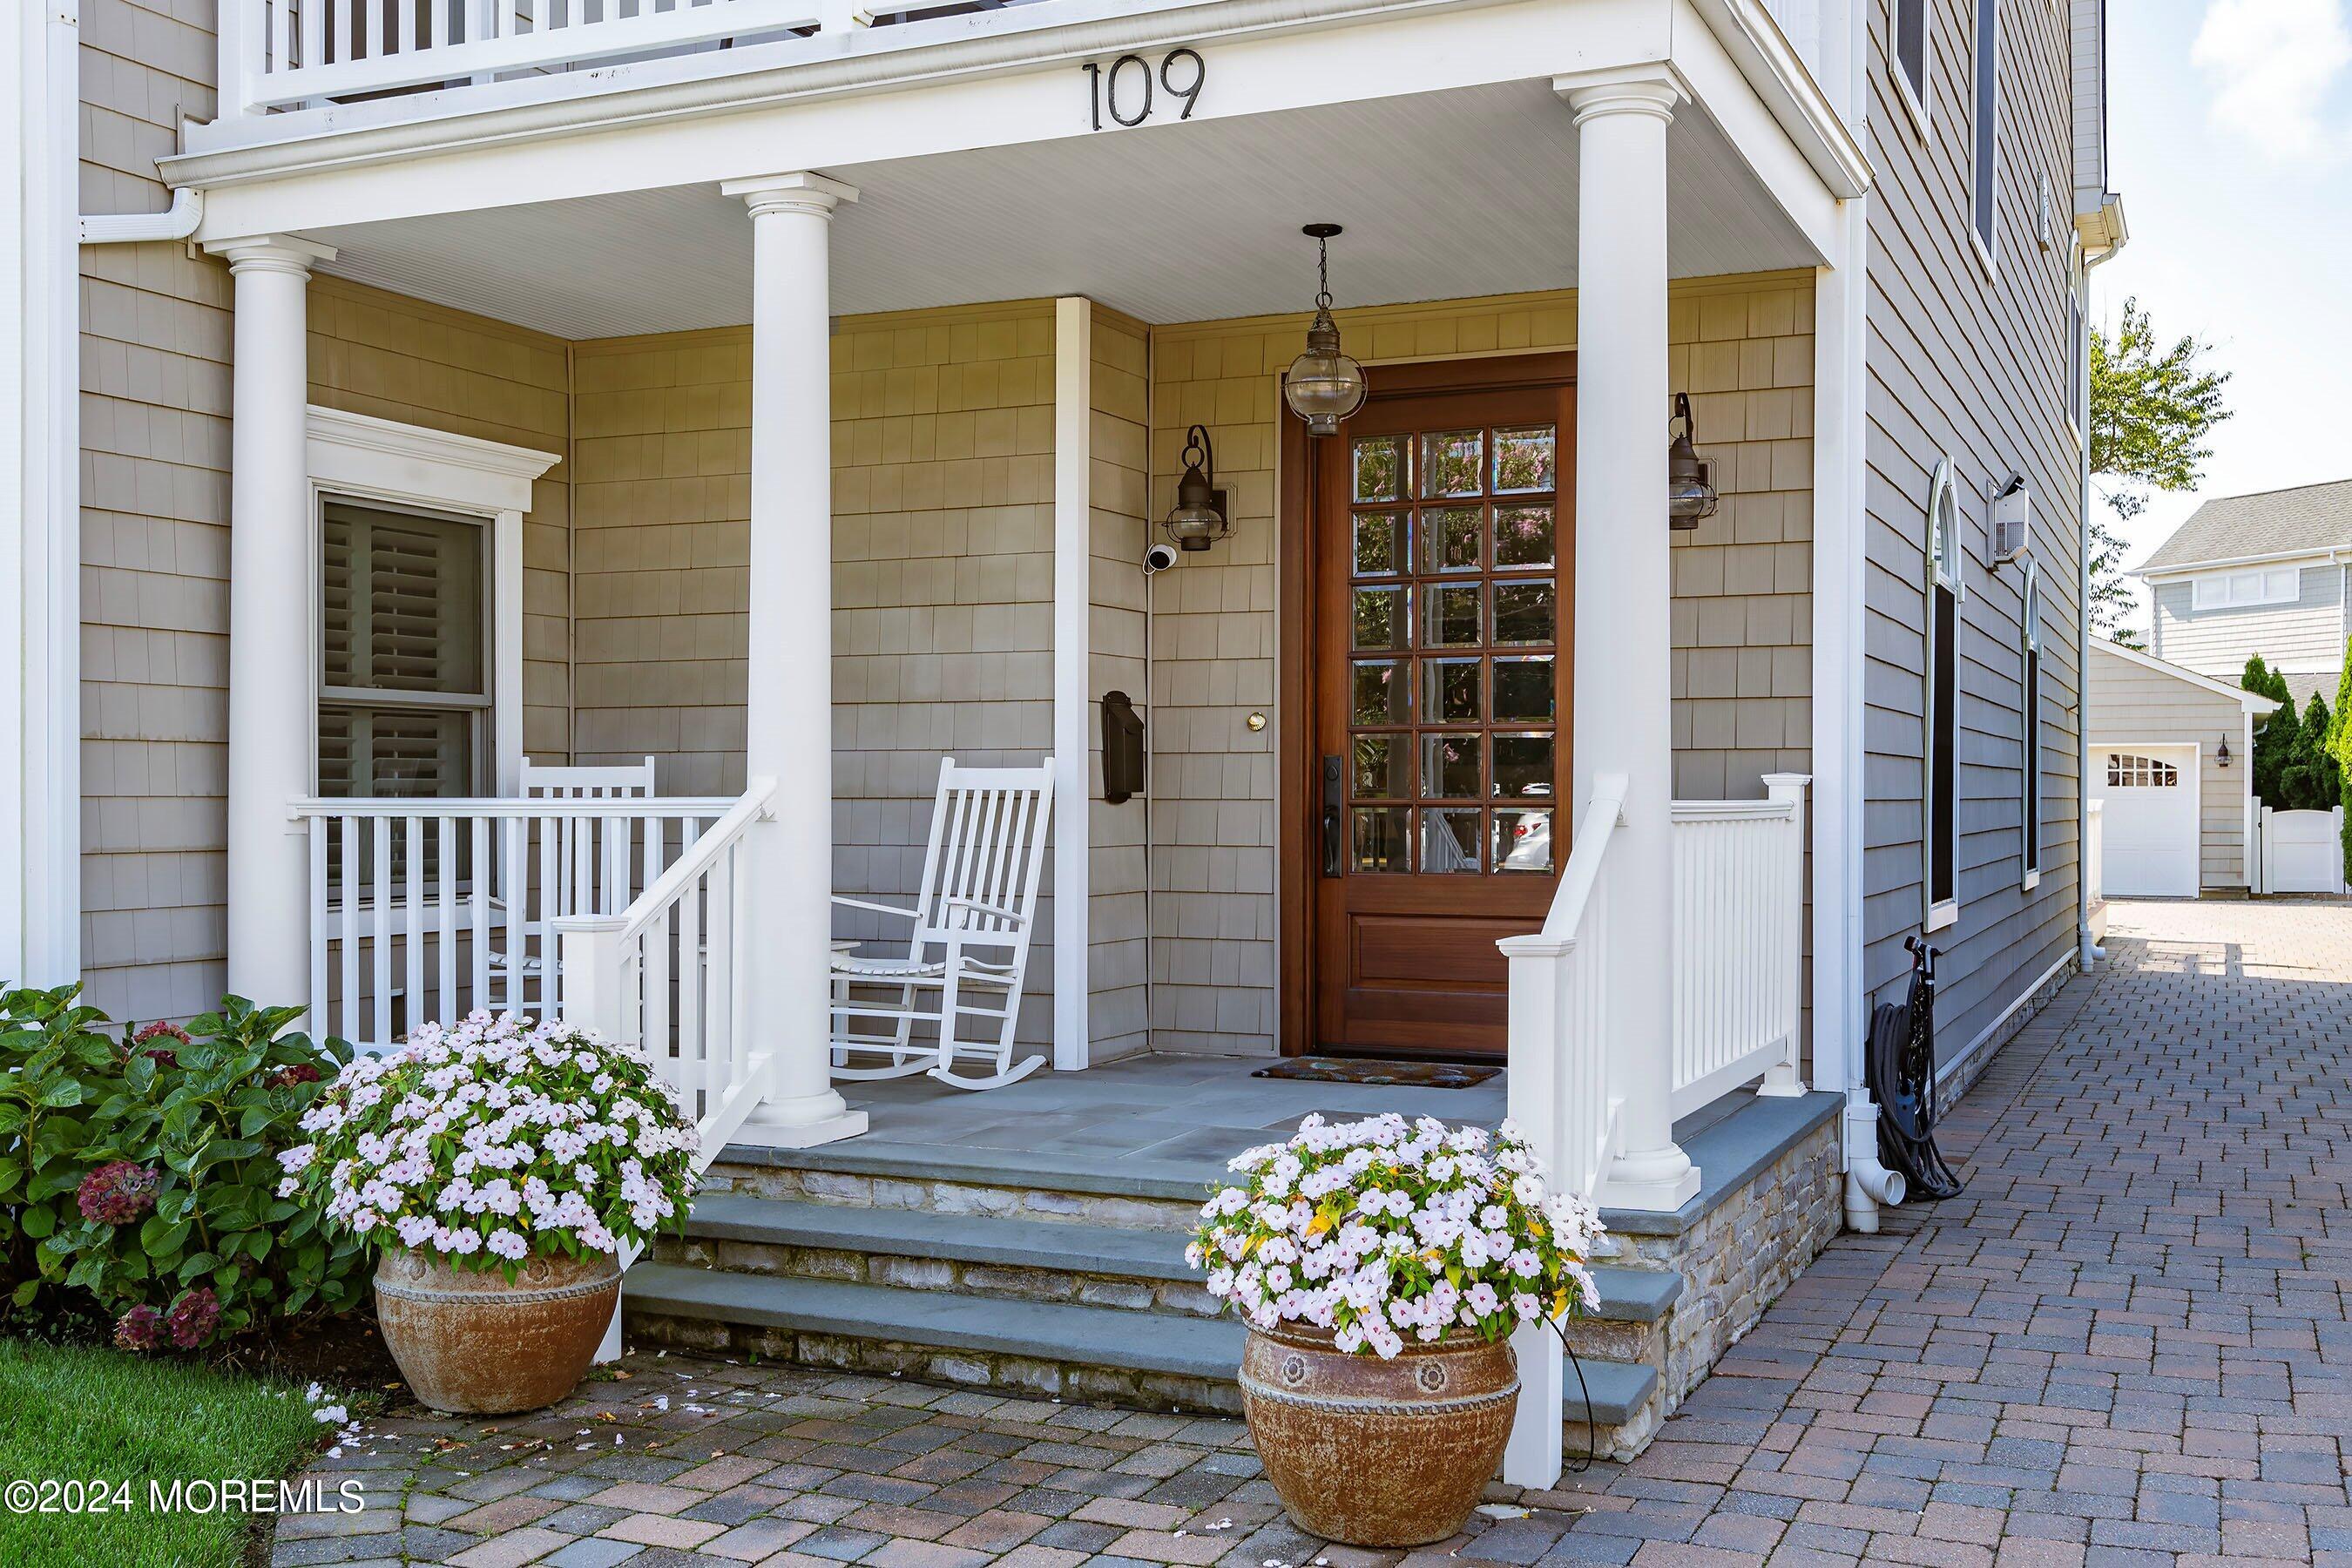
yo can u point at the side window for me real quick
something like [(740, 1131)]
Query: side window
[(404, 696), (1986, 162), (2030, 723), (1907, 54), (1945, 587), (2078, 373)]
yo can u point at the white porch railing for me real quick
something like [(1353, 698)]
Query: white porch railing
[(423, 910), (1556, 1030), (667, 973), (1739, 906), (286, 54)]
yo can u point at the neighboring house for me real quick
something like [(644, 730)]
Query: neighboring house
[(2171, 755), (2257, 575), (713, 382)]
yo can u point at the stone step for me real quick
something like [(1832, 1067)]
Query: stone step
[(915, 1178), (1042, 1347), (1032, 1259)]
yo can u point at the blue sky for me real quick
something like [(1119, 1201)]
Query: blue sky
[(2230, 127)]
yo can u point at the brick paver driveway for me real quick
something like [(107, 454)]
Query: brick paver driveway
[(2122, 1343)]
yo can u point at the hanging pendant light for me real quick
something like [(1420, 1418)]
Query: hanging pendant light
[(1690, 478), (1199, 519), (1324, 386)]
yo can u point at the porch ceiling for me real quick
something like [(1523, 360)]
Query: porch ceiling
[(1443, 195)]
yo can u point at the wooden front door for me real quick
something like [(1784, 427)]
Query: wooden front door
[(1439, 683)]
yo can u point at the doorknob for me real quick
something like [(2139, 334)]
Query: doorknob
[(1332, 835)]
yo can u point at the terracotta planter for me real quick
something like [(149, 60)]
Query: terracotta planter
[(468, 1341), (1372, 1452)]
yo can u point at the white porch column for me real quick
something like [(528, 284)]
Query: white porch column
[(1623, 646), (272, 668), (788, 915)]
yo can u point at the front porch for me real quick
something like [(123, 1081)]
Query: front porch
[(796, 490)]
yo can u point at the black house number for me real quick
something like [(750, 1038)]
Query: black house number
[(1123, 88)]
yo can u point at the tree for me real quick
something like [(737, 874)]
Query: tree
[(2151, 411), (2309, 781), (2264, 682), (2339, 745), (2275, 739)]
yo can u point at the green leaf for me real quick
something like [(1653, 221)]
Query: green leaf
[(38, 1221)]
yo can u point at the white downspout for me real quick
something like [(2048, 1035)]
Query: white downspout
[(2088, 951), (177, 221)]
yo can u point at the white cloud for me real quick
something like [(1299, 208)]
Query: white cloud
[(2272, 64)]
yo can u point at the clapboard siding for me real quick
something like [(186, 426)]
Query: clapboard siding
[(1972, 367), (2134, 705), (2306, 635)]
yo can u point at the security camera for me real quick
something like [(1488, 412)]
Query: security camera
[(1158, 558)]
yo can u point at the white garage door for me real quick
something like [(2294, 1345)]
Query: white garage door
[(2150, 819)]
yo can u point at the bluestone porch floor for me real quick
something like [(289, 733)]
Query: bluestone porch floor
[(1159, 1124), (2125, 1343)]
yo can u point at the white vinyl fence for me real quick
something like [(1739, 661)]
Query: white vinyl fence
[(2302, 851)]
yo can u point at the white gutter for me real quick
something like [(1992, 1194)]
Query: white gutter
[(2323, 556), (177, 221)]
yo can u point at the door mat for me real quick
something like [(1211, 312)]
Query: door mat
[(1399, 1075)]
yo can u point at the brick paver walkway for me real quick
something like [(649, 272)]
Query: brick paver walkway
[(2122, 1343)]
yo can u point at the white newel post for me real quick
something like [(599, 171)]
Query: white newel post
[(788, 912), (1785, 1078), (272, 679), (1623, 644)]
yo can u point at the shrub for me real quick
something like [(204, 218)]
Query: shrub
[(492, 1142), (1375, 1229), (137, 1178)]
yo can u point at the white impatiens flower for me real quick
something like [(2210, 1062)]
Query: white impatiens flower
[(495, 1139), (1380, 1230)]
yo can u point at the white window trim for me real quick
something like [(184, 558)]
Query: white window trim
[(1982, 103), (1914, 104), (1946, 569), (2262, 596), (2033, 802), (381, 461)]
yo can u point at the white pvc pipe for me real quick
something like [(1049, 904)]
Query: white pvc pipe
[(1868, 1184)]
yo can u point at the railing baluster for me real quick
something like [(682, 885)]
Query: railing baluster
[(485, 828), (380, 948), (347, 1016), (413, 827), (551, 871), (445, 840), (316, 1022)]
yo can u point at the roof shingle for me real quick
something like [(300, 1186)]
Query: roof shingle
[(2270, 522)]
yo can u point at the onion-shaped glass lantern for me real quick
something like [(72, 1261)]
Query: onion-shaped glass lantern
[(1324, 386)]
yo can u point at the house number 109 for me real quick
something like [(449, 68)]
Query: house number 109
[(1105, 84)]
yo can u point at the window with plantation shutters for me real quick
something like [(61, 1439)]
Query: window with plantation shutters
[(405, 685)]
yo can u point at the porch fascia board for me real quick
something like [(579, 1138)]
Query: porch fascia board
[(1774, 117), (1269, 56)]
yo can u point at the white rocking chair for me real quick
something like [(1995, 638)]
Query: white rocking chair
[(969, 951)]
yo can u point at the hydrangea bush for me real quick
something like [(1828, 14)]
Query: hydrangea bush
[(497, 1140), (1377, 1229), (139, 1169)]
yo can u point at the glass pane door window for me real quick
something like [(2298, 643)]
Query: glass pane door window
[(1453, 623)]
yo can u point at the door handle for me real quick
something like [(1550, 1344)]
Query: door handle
[(1333, 845)]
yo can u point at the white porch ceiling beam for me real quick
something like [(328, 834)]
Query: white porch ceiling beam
[(329, 184)]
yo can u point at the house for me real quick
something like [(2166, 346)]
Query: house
[(2260, 574), (791, 395), (2171, 755)]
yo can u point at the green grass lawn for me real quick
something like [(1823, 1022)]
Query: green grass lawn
[(101, 1415)]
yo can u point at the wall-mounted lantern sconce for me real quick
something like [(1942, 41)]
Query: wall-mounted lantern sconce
[(1324, 386), (2012, 520), (2221, 757), (1199, 519), (1690, 478)]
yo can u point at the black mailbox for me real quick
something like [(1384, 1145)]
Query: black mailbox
[(1122, 749)]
